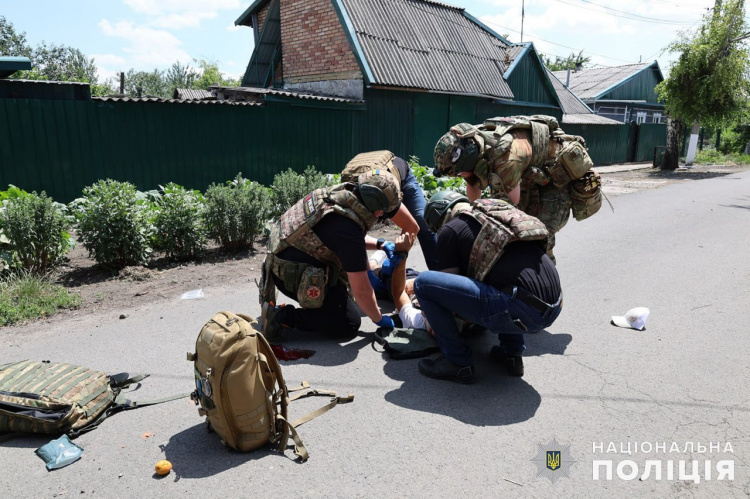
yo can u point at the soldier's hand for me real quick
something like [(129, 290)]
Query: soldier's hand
[(386, 322), (389, 247)]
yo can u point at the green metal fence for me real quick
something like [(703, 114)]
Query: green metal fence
[(650, 135), (61, 146), (607, 144)]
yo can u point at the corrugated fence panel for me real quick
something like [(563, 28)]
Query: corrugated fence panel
[(387, 123), (650, 135), (607, 144)]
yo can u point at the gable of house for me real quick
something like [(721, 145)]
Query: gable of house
[(527, 76), (628, 82)]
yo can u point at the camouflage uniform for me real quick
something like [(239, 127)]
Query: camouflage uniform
[(511, 155)]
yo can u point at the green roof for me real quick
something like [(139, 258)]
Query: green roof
[(9, 65)]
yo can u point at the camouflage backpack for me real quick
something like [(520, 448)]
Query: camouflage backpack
[(366, 161), (55, 398), (502, 224)]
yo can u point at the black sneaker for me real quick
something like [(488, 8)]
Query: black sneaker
[(442, 368), (512, 363)]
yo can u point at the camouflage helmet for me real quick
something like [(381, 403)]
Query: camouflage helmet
[(438, 205), (456, 151), (379, 190)]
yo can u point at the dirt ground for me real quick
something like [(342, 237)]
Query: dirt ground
[(103, 293)]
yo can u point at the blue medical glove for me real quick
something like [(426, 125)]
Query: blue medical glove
[(389, 247), (386, 322), (390, 264), (375, 282)]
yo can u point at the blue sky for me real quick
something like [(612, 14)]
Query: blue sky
[(149, 34)]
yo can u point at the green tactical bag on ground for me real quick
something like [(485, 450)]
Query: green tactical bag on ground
[(241, 390), (405, 343), (55, 398)]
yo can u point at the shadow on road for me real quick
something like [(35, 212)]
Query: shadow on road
[(213, 457), (496, 399), (743, 206)]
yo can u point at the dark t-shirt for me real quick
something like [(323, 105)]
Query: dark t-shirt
[(403, 170), (342, 236), (523, 263)]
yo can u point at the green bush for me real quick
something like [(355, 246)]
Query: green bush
[(289, 187), (35, 230), (178, 224), (25, 296), (113, 224), (431, 184), (236, 212)]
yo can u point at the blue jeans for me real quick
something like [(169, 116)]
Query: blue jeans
[(441, 295), (413, 199)]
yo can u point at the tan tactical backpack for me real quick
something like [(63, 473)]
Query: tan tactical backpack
[(241, 390)]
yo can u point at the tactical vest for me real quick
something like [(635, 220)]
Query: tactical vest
[(502, 224), (556, 156), (295, 228), (366, 161)]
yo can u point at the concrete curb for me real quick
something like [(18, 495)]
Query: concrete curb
[(621, 168)]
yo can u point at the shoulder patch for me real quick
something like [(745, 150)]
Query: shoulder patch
[(309, 205)]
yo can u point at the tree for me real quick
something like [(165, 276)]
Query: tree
[(573, 61), (210, 76), (146, 84), (709, 82), (12, 44)]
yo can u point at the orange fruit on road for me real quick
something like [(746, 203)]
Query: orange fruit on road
[(163, 467)]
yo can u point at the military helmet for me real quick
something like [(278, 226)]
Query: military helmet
[(379, 190), (438, 205), (455, 153)]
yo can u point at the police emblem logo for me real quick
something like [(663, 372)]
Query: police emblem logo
[(309, 205), (553, 460)]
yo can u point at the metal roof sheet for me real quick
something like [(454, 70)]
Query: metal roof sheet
[(589, 83), (191, 94), (175, 101), (588, 119), (427, 45), (568, 101), (9, 65), (286, 93)]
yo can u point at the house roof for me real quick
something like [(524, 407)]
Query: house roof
[(258, 91), (427, 45), (594, 82), (569, 103), (175, 101), (190, 94), (9, 65)]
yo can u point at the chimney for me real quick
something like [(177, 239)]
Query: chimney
[(578, 66), (567, 79)]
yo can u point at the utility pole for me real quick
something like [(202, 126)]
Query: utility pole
[(522, 15)]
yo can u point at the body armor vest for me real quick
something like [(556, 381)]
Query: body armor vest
[(502, 224), (296, 226)]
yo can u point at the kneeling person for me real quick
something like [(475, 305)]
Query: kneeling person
[(494, 272), (318, 251)]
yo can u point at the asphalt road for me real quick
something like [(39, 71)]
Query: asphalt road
[(680, 250)]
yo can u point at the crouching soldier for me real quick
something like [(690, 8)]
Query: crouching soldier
[(494, 272), (318, 255)]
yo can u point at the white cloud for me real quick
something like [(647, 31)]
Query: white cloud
[(233, 27), (175, 14), (146, 47), (182, 20), (559, 27)]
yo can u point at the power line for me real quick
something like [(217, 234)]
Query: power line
[(624, 15), (558, 44)]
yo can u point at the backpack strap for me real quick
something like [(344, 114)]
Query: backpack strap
[(335, 400)]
